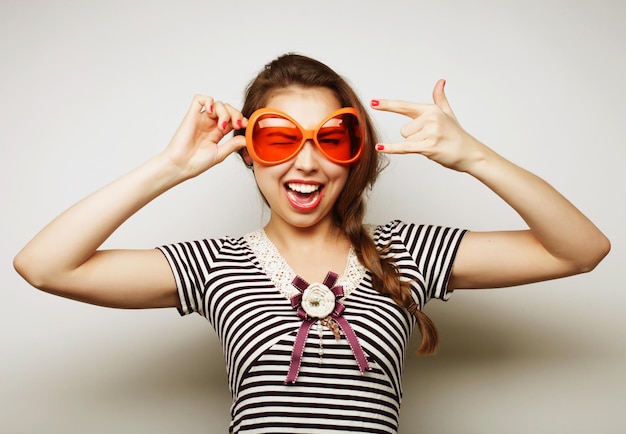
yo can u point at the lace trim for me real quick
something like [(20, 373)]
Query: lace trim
[(281, 274)]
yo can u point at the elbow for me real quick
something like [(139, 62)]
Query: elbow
[(27, 267), (22, 265), (596, 252)]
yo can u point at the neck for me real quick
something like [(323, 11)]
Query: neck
[(311, 252), (293, 238)]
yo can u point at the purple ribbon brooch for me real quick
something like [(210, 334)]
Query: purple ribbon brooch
[(320, 301)]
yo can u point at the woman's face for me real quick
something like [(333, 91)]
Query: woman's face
[(302, 191)]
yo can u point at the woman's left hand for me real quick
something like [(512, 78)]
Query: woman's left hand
[(433, 131), (561, 241)]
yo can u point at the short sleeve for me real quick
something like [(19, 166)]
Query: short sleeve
[(190, 264), (425, 255)]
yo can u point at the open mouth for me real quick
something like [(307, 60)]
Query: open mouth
[(304, 196)]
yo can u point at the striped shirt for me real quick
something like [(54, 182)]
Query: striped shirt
[(242, 286)]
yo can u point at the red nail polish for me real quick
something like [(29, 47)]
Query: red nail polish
[(375, 103), (239, 123), (210, 109), (380, 147), (224, 125)]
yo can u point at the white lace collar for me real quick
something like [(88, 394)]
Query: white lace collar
[(281, 274)]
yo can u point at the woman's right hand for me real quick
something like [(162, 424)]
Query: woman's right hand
[(64, 258), (196, 145)]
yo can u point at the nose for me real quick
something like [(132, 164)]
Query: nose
[(307, 159)]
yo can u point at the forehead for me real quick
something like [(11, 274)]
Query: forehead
[(307, 106)]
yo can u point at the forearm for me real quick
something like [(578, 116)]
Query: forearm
[(74, 236), (560, 241), (556, 223)]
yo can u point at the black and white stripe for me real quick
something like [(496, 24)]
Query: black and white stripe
[(222, 280)]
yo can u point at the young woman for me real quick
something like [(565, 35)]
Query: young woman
[(314, 311)]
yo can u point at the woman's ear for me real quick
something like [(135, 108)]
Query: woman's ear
[(245, 156)]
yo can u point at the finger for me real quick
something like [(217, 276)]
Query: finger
[(237, 120), (410, 109), (222, 115), (440, 99), (412, 127), (228, 117), (407, 147), (202, 104), (229, 146)]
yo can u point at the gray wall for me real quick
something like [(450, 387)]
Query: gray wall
[(91, 89)]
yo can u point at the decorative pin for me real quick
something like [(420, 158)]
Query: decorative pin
[(320, 301)]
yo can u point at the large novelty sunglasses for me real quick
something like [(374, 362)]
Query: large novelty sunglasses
[(273, 137)]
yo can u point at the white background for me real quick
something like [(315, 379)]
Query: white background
[(90, 89)]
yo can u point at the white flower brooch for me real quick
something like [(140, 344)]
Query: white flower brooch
[(320, 301)]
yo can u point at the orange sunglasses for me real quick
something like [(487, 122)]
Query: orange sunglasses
[(273, 137)]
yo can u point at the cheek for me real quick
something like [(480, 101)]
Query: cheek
[(338, 174), (267, 178), (262, 181)]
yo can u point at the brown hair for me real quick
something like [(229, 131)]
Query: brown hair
[(294, 70)]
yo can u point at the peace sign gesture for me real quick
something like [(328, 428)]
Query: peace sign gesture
[(433, 131)]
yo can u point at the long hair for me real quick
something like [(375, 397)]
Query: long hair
[(294, 70)]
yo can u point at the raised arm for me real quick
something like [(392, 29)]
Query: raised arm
[(64, 259), (560, 240)]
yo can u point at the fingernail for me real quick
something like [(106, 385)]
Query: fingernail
[(224, 125), (210, 109), (239, 123), (375, 103), (380, 147)]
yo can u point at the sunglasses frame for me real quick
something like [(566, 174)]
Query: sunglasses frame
[(306, 135)]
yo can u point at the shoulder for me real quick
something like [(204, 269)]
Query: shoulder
[(415, 237), (381, 230), (384, 233), (205, 248)]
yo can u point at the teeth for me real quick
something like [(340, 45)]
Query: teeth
[(303, 188)]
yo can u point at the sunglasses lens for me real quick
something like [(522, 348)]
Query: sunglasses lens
[(340, 137), (275, 138)]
